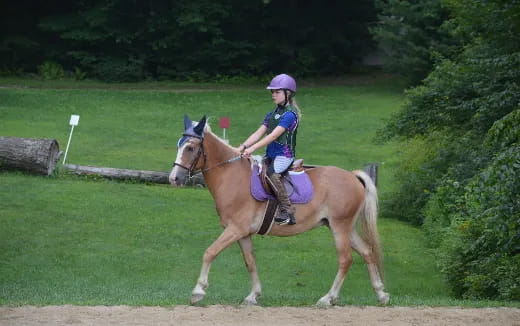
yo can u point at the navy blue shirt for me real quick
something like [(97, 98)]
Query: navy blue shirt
[(289, 121)]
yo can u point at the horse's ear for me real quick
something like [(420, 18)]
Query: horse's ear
[(187, 122), (200, 126)]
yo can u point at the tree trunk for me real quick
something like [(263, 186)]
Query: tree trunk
[(124, 174), (29, 154)]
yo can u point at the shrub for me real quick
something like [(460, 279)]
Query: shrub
[(482, 249), (415, 182), (436, 160), (50, 70), (440, 209), (79, 74), (504, 132), (113, 69), (10, 71)]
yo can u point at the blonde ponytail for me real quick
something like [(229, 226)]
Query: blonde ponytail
[(292, 102)]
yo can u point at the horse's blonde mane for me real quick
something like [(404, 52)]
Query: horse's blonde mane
[(207, 129)]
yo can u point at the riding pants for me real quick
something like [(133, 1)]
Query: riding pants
[(275, 171)]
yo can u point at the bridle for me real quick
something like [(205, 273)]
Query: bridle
[(191, 170)]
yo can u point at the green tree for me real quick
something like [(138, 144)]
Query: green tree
[(120, 40), (471, 207), (481, 246), (414, 35)]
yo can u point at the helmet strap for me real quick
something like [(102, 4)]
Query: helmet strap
[(286, 97)]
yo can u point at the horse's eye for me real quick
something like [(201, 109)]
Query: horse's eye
[(189, 149)]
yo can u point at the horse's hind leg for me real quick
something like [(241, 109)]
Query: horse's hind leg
[(247, 250), (228, 237), (364, 250), (342, 242)]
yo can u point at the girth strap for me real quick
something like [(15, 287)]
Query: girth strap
[(270, 212)]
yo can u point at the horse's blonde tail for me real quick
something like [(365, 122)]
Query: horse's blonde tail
[(368, 216)]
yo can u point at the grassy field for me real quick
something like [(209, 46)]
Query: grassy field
[(78, 240)]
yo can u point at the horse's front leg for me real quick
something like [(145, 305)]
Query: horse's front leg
[(226, 238), (246, 244)]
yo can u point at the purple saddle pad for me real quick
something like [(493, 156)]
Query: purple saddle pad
[(301, 193)]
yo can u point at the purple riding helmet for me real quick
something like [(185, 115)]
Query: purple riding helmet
[(283, 81)]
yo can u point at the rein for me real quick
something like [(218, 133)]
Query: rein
[(191, 169), (231, 160)]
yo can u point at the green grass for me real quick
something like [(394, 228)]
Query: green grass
[(77, 240), (139, 129)]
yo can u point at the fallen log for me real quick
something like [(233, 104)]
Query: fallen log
[(36, 155), (162, 177), (125, 174)]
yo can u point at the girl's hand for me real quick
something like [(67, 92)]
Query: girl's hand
[(247, 152)]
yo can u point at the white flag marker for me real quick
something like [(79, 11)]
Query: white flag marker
[(74, 121)]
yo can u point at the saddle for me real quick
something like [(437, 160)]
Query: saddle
[(297, 182), (297, 166)]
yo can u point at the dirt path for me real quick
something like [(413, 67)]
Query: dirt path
[(234, 316)]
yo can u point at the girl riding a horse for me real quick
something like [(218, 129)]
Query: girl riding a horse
[(340, 199), (280, 127)]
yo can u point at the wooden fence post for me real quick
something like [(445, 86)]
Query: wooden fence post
[(371, 170)]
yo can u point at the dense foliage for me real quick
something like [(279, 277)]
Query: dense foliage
[(463, 179), (478, 226), (413, 36), (120, 40)]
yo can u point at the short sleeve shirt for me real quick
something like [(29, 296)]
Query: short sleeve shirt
[(289, 121)]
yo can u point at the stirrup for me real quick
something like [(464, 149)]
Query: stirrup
[(285, 218)]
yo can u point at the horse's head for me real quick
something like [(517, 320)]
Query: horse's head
[(189, 152)]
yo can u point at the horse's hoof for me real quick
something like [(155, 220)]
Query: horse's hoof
[(250, 300), (196, 297), (383, 299), (326, 301)]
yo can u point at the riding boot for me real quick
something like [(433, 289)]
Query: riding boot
[(286, 209)]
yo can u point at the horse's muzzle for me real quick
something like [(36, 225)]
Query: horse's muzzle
[(177, 178), (175, 182)]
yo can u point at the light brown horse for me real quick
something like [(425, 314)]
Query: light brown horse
[(340, 197)]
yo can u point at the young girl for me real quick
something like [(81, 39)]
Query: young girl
[(280, 127)]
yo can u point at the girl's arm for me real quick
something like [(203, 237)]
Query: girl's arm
[(253, 138), (277, 132)]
